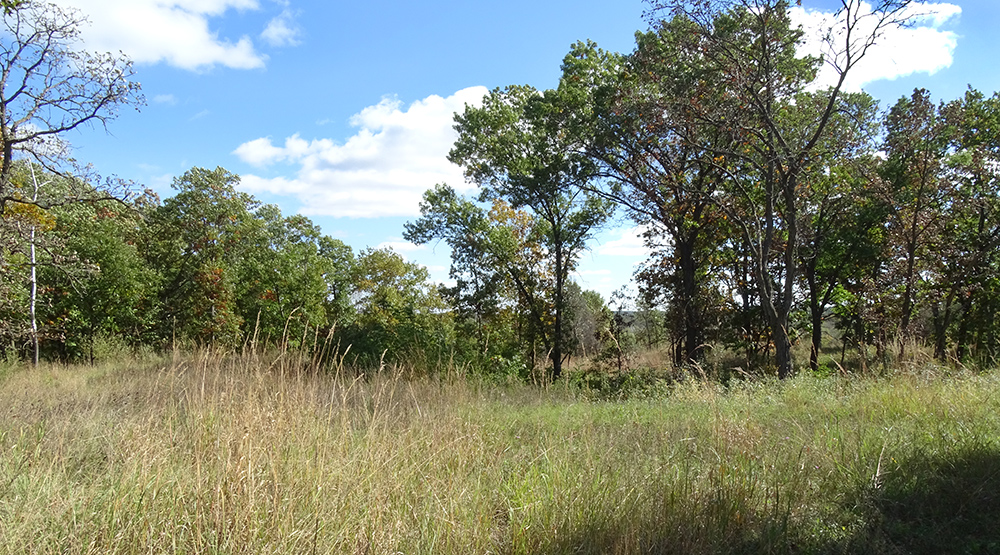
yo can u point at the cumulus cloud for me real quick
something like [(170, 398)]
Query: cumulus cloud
[(396, 154), (630, 242), (281, 31), (922, 46), (176, 32)]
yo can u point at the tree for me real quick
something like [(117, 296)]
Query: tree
[(916, 146), (516, 147), (504, 280), (628, 126), (747, 50), (288, 268), (104, 288), (200, 236), (840, 226), (399, 313), (590, 320), (970, 265), (49, 87), (477, 263)]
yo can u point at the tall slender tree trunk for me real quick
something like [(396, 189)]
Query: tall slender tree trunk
[(817, 306), (904, 325), (557, 340), (33, 301), (816, 315), (34, 276), (962, 339)]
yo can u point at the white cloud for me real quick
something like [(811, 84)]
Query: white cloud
[(630, 242), (165, 99), (383, 170), (260, 152), (920, 47), (172, 31), (281, 31)]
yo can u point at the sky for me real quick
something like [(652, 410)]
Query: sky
[(343, 111)]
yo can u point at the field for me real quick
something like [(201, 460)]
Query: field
[(208, 454)]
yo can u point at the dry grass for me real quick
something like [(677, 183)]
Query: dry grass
[(237, 455)]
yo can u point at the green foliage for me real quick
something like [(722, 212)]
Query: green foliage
[(485, 266), (770, 207), (397, 310), (519, 147), (209, 265), (291, 277), (115, 293), (199, 237)]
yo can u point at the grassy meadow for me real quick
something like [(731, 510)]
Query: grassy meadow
[(211, 454)]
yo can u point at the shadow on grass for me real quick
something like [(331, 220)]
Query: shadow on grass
[(944, 504)]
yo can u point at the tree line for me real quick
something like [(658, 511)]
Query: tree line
[(776, 211), (776, 208)]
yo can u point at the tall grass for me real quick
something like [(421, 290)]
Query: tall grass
[(215, 454)]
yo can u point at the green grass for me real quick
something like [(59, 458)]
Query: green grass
[(213, 455)]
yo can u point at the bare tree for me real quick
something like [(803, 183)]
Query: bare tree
[(48, 86)]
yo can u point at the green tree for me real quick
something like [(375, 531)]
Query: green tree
[(517, 148), (590, 320), (742, 59), (47, 87), (840, 227), (478, 295), (916, 145), (503, 286), (628, 126), (109, 291), (970, 265), (290, 276), (199, 237), (398, 312)]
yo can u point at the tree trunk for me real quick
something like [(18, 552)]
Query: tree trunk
[(783, 353), (34, 300), (34, 276), (557, 341), (904, 325), (942, 316), (962, 341), (816, 315), (694, 333)]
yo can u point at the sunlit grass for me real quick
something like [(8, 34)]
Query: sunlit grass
[(228, 455)]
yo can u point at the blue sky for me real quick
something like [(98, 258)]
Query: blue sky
[(342, 110)]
